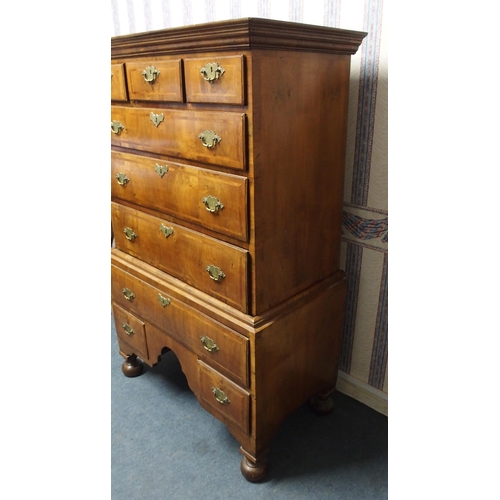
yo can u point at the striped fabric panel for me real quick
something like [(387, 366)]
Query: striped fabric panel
[(166, 12), (235, 9), (367, 96), (147, 15), (296, 10), (264, 8), (187, 15), (332, 13), (378, 363), (131, 16), (354, 256), (116, 17), (209, 10)]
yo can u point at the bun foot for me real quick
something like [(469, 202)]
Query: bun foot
[(132, 366), (253, 472), (321, 405), (254, 469)]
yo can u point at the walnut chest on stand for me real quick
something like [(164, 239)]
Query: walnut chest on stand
[(227, 159)]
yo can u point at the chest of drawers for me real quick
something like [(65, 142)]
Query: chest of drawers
[(227, 167)]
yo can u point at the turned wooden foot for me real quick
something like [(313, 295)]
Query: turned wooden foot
[(253, 470), (321, 405), (132, 366)]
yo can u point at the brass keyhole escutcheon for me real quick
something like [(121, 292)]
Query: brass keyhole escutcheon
[(164, 301), (116, 127), (161, 170), (215, 273), (212, 204), (150, 74), (212, 72), (156, 118), (209, 138), (122, 179), (167, 231), (209, 344), (129, 234)]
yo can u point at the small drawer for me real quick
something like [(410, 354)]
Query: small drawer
[(229, 402), (210, 265), (218, 345), (215, 79), (206, 136), (118, 87), (155, 80), (131, 331), (209, 199)]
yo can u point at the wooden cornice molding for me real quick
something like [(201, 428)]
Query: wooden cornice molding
[(239, 34)]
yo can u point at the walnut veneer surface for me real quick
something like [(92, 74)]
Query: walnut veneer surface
[(228, 150)]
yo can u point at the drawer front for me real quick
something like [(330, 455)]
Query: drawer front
[(118, 87), (182, 133), (155, 80), (188, 255), (216, 79), (218, 345), (131, 331), (189, 193), (227, 400)]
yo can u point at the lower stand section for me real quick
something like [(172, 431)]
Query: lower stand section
[(132, 366), (254, 469)]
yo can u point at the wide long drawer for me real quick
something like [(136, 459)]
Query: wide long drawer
[(209, 265), (216, 344), (210, 199), (206, 136)]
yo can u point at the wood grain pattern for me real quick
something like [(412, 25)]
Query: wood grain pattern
[(280, 109), (181, 190), (118, 85), (184, 254), (236, 410), (178, 134), (299, 118), (184, 323), (228, 89), (238, 34), (136, 341), (166, 87)]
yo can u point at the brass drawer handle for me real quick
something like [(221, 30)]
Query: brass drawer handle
[(209, 138), (220, 396), (156, 118), (150, 74), (161, 170), (163, 300), (116, 127), (128, 329), (167, 231), (129, 234), (212, 72), (128, 294), (212, 204), (215, 273), (122, 179), (209, 344)]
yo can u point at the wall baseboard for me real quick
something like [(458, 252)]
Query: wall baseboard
[(366, 394)]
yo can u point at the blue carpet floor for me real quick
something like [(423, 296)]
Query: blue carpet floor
[(165, 446)]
